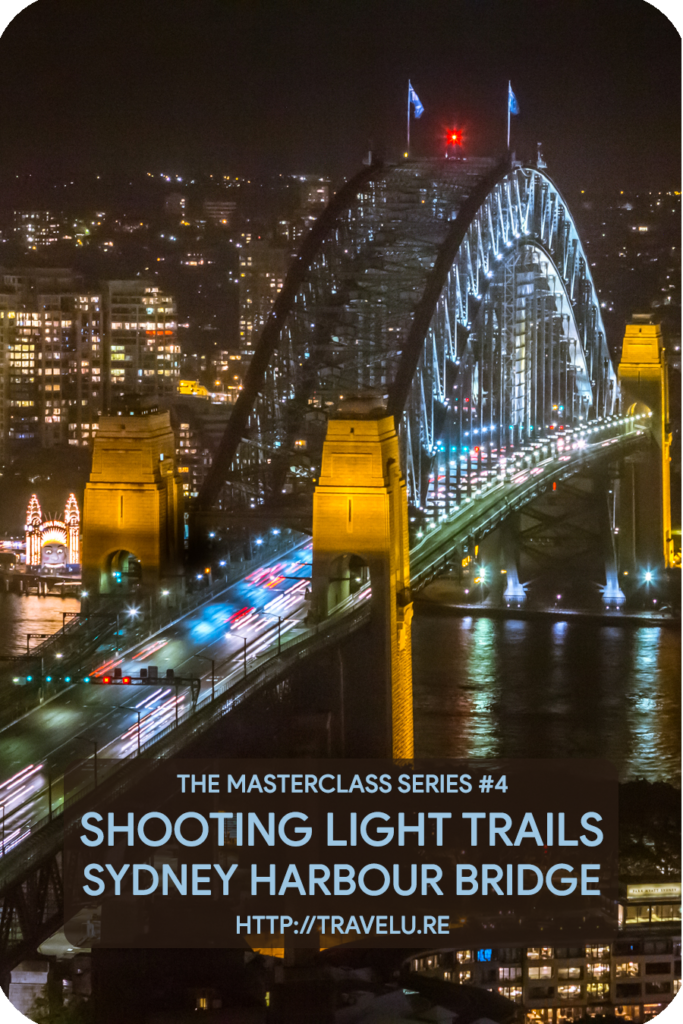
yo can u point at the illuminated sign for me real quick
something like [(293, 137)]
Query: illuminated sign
[(639, 892)]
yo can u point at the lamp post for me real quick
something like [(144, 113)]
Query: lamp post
[(202, 657), (131, 612), (138, 712), (88, 739), (244, 649), (273, 615)]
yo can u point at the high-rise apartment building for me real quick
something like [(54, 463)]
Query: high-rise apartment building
[(263, 266), (141, 339), (67, 353), (36, 229), (50, 355)]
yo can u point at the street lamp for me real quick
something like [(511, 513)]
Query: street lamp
[(88, 739), (202, 657), (131, 612)]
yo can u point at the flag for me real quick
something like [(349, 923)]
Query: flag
[(418, 109), (513, 105)]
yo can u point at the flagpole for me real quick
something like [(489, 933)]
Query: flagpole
[(509, 88), (408, 122)]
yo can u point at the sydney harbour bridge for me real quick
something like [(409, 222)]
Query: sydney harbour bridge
[(452, 297), (457, 290)]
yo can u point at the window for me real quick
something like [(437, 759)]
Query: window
[(542, 992), (658, 967), (597, 952), (657, 987), (484, 955), (598, 970), (628, 990), (630, 969), (656, 946), (465, 977), (597, 989), (536, 973), (626, 948), (512, 992), (570, 973), (569, 991), (509, 973), (638, 914), (665, 912), (540, 953)]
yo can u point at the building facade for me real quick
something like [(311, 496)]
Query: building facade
[(632, 978), (67, 353)]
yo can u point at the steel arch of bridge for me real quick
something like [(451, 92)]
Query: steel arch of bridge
[(457, 290)]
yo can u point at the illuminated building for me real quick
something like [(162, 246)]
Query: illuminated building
[(220, 212), (50, 352), (199, 426), (633, 977), (67, 352), (53, 541), (228, 369), (141, 338), (36, 229), (263, 266)]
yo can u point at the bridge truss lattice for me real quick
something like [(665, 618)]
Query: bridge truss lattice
[(458, 291)]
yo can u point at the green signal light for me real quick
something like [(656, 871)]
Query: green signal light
[(29, 679), (86, 679), (67, 679), (48, 679)]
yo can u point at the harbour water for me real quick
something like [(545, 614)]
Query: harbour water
[(21, 614), (488, 687)]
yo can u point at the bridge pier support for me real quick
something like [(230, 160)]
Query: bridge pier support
[(645, 540), (360, 527), (132, 519)]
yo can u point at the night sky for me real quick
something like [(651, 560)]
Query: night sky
[(291, 85)]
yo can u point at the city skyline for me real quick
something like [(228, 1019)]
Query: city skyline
[(218, 83)]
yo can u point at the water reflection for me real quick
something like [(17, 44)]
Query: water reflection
[(512, 688), (21, 614)]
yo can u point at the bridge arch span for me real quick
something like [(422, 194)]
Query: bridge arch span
[(423, 283)]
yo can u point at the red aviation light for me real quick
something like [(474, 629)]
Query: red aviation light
[(454, 137), (106, 679)]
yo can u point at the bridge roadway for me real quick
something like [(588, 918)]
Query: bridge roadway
[(239, 630)]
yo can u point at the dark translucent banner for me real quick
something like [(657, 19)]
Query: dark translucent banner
[(268, 853)]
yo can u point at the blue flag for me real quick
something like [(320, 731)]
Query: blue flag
[(513, 105), (418, 109)]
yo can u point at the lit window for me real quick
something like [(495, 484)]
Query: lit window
[(597, 952), (536, 973), (512, 992)]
